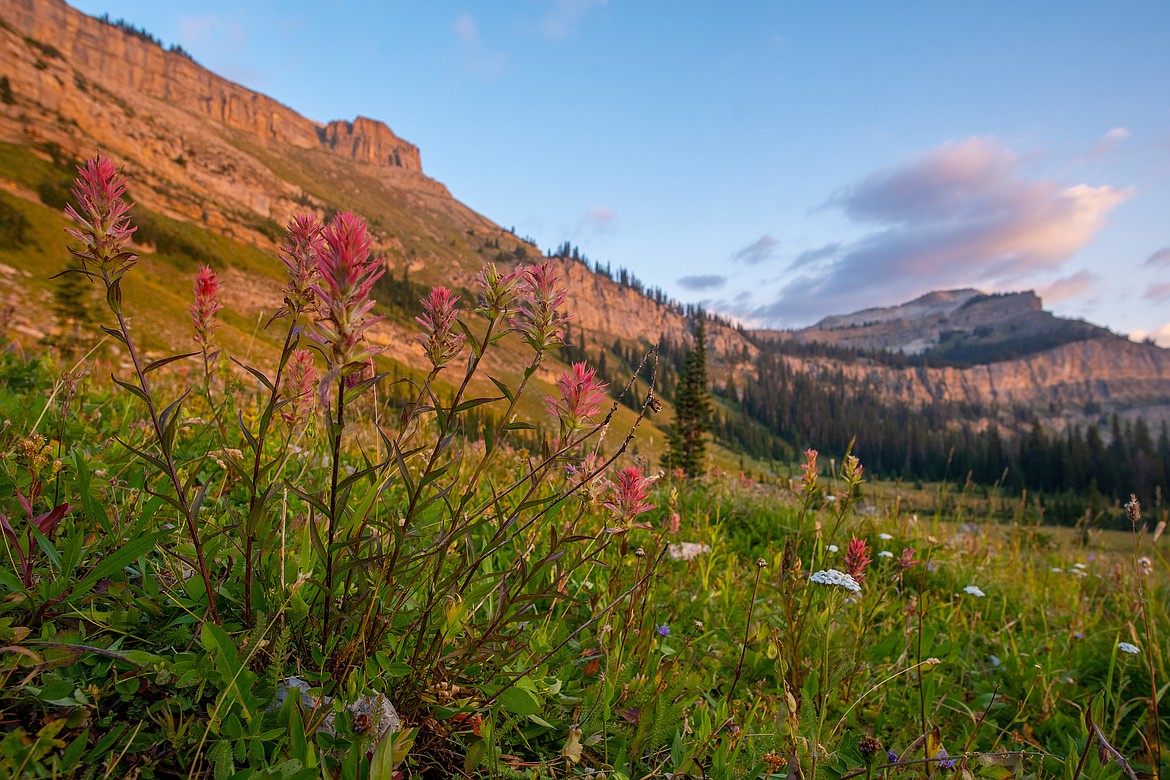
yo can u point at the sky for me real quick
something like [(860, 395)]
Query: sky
[(777, 162)]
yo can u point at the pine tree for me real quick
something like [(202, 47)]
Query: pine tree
[(686, 439)]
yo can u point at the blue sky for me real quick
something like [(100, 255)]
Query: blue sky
[(779, 161)]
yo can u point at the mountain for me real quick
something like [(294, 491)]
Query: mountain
[(217, 170)]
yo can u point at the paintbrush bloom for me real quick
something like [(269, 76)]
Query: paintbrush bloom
[(582, 394), (539, 318), (629, 496), (304, 244), (439, 340), (206, 305), (103, 219), (347, 275)]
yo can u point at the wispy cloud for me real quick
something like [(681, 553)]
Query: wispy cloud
[(1082, 284), (703, 282), (1159, 258), (961, 215), (763, 248), (563, 18), (1158, 292), (1110, 141), (479, 60), (597, 219)]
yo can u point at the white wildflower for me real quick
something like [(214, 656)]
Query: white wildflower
[(833, 548), (1079, 566), (1126, 647), (834, 577), (1057, 570), (687, 551), (974, 590), (885, 537), (885, 554)]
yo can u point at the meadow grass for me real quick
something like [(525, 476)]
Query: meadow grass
[(298, 569)]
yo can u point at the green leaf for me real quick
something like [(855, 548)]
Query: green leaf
[(155, 364), (519, 701)]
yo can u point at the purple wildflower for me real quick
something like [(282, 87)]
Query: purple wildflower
[(663, 630)]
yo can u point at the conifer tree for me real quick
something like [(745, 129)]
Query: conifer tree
[(686, 439)]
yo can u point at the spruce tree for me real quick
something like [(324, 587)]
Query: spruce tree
[(686, 439)]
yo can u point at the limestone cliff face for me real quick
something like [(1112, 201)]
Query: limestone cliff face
[(110, 56)]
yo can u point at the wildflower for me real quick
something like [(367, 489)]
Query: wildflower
[(852, 469), (581, 397), (885, 554), (103, 222), (994, 660), (299, 383), (640, 552), (663, 630), (699, 624), (591, 477), (906, 559), (539, 318), (857, 558), (1078, 635), (837, 578), (687, 551), (885, 537), (761, 563), (304, 244), (498, 291), (833, 548), (974, 590), (891, 757), (206, 305), (673, 523), (438, 338), (1079, 566), (348, 274), (1126, 647), (946, 764), (1145, 565), (1133, 510), (869, 747), (809, 471), (628, 497)]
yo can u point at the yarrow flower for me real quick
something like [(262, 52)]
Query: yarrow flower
[(539, 318), (438, 338), (1126, 647), (885, 537), (103, 222), (348, 274), (628, 496), (833, 548), (206, 305), (885, 554), (304, 244), (837, 578), (581, 397), (974, 590)]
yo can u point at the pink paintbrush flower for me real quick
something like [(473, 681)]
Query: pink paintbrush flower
[(857, 558), (300, 382), (539, 318), (439, 339), (347, 275), (629, 496), (103, 219), (498, 291), (206, 305), (581, 397), (304, 244)]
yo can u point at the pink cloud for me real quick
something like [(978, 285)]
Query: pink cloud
[(1110, 141), (963, 214), (1069, 287), (1158, 292)]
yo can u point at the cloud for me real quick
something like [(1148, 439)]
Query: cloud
[(598, 219), (1069, 287), (565, 15), (1110, 141), (480, 62), (1159, 335), (758, 251), (1158, 292), (960, 215), (814, 256), (1159, 258), (704, 282)]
